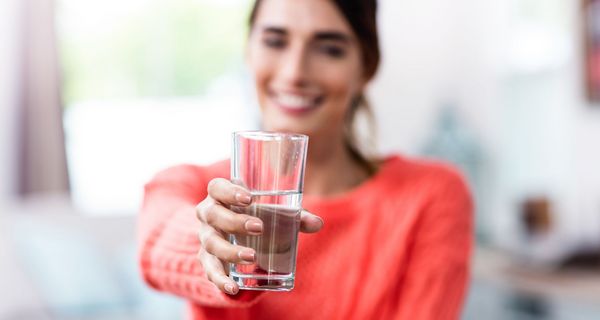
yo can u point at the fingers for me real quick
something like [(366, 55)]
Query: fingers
[(223, 191), (223, 219), (214, 243), (215, 250), (216, 273), (310, 223)]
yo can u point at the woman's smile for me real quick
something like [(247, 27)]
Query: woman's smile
[(295, 103)]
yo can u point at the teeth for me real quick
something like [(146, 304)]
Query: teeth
[(294, 101)]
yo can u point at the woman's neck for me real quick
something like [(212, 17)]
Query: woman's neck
[(330, 169)]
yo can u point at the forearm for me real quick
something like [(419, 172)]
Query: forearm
[(437, 293)]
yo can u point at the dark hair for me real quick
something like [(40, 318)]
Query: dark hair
[(361, 15)]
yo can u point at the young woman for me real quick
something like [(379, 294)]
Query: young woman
[(392, 237)]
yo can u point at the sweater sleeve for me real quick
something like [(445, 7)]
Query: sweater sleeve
[(437, 272), (168, 242)]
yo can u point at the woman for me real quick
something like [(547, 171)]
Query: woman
[(394, 236)]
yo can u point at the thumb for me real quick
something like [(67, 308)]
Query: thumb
[(310, 223)]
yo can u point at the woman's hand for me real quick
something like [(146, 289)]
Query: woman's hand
[(217, 221)]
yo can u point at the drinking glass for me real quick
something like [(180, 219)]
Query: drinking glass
[(271, 166)]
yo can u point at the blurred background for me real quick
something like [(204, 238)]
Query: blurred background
[(97, 96)]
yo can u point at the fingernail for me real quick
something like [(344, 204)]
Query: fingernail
[(229, 288), (314, 217), (320, 220), (246, 255), (254, 226), (243, 198)]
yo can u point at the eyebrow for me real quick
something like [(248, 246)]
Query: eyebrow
[(274, 30), (320, 35), (333, 35)]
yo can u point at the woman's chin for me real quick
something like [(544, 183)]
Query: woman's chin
[(287, 125), (288, 129)]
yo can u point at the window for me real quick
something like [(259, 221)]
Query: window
[(148, 84)]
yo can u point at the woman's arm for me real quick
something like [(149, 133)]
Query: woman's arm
[(168, 239), (438, 270)]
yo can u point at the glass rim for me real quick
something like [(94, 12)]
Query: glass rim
[(269, 135)]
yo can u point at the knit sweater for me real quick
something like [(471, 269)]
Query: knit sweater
[(395, 247)]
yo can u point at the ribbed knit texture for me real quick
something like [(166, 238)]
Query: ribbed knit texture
[(395, 247)]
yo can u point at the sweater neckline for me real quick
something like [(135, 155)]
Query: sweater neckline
[(356, 191)]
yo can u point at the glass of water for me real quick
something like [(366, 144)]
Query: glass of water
[(271, 166)]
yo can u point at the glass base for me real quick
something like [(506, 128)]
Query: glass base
[(263, 283)]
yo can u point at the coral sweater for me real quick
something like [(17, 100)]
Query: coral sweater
[(395, 247)]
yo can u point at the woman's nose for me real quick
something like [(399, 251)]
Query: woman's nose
[(294, 68)]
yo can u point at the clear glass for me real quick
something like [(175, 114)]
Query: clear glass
[(270, 165)]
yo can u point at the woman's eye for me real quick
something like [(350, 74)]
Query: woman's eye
[(333, 51), (275, 43)]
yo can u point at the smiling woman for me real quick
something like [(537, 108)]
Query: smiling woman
[(392, 235), (304, 61)]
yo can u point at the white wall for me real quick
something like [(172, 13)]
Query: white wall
[(437, 52), (434, 51), (516, 78), (584, 170), (8, 65)]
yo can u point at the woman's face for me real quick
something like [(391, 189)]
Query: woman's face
[(306, 63)]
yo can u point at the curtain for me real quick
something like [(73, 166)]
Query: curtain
[(42, 166), (8, 71)]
